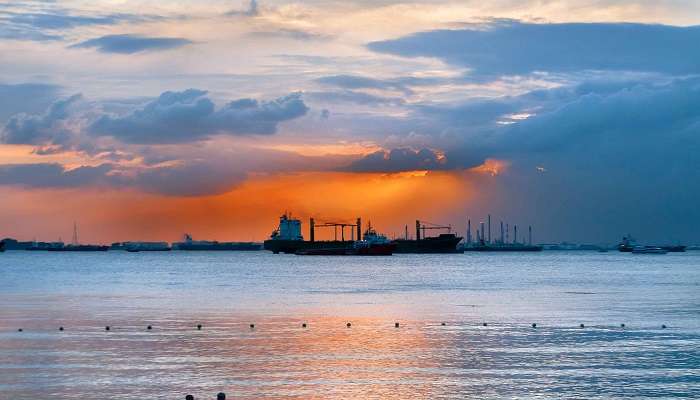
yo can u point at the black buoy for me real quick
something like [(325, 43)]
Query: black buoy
[(443, 324), (252, 326), (60, 328), (663, 326), (107, 327), (534, 325), (189, 397), (149, 327), (622, 325), (221, 396), (199, 327), (348, 325), (19, 330), (485, 324), (582, 326), (396, 325), (303, 325)]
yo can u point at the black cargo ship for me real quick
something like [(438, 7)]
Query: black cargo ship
[(79, 247), (443, 243), (287, 238), (204, 245)]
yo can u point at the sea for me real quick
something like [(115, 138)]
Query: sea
[(255, 325)]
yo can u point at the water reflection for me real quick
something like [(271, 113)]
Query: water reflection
[(372, 359)]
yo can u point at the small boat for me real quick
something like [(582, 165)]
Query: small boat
[(648, 250)]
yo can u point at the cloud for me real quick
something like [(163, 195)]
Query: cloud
[(29, 98), (397, 160), (509, 47), (252, 10), (130, 44), (189, 116), (47, 128), (401, 84), (350, 96), (51, 175), (48, 25), (288, 33)]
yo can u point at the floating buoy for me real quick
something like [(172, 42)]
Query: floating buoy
[(199, 327), (221, 396), (534, 325), (189, 397), (582, 326), (485, 324), (622, 325), (348, 324), (303, 325), (443, 324), (252, 326), (396, 325), (60, 328), (19, 330), (149, 327), (663, 326), (107, 327)]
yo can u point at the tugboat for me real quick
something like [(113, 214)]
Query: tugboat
[(627, 244)]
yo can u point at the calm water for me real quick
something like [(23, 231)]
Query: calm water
[(225, 292)]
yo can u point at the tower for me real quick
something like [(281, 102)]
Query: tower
[(75, 233), (469, 231)]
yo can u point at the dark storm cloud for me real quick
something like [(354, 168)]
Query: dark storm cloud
[(189, 116), (46, 128), (29, 98), (396, 160), (509, 47), (130, 44)]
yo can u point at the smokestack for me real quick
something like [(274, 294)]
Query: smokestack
[(469, 231), (417, 230), (502, 238), (515, 233), (406, 232), (359, 228), (489, 228), (507, 232), (311, 229), (529, 235), (482, 238)]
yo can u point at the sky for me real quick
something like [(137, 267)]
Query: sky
[(143, 120)]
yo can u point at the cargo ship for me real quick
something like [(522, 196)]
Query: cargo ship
[(443, 243), (628, 245), (135, 247), (287, 238), (484, 243), (188, 244), (372, 244)]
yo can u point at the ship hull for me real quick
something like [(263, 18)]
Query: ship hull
[(373, 250), (428, 245), (80, 248), (292, 246)]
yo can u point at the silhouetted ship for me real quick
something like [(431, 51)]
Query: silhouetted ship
[(2, 246), (484, 243), (373, 244), (287, 238), (205, 245), (443, 243), (79, 247), (135, 247), (628, 245)]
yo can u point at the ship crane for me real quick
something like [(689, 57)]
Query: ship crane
[(422, 226), (335, 225)]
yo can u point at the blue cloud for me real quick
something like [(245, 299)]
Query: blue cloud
[(130, 44), (509, 47), (29, 98), (191, 116), (42, 129)]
